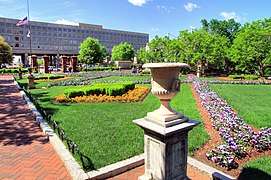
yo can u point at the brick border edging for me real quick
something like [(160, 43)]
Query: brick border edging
[(111, 170)]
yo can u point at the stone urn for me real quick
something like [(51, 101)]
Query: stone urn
[(165, 86), (30, 78)]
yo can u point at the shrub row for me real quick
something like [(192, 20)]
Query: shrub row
[(137, 94), (13, 70), (49, 77), (247, 77), (99, 69), (97, 89)]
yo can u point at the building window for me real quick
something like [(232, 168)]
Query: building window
[(59, 29)]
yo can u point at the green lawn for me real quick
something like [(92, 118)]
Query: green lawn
[(260, 168), (251, 101), (104, 132)]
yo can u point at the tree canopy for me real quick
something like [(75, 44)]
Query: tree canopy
[(91, 51), (5, 52), (123, 51), (251, 49)]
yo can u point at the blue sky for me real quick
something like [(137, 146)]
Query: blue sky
[(155, 17)]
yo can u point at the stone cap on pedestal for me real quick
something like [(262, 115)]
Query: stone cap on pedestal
[(166, 131)]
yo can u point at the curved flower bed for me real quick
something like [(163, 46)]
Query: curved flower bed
[(137, 94), (239, 139)]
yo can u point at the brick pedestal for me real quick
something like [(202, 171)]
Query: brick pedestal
[(74, 63), (46, 63), (64, 63), (34, 63)]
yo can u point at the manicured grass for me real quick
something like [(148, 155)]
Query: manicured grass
[(104, 132), (208, 78), (251, 101), (260, 168)]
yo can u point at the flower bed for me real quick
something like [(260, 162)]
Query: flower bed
[(239, 139), (137, 94)]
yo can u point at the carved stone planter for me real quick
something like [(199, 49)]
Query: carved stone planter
[(165, 86)]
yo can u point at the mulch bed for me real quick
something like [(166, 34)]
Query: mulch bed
[(216, 140)]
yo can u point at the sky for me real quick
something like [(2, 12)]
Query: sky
[(154, 17)]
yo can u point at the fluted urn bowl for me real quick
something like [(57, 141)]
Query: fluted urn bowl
[(165, 86)]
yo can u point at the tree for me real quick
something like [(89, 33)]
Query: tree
[(200, 47), (5, 52), (91, 51), (123, 51), (252, 48), (158, 49), (142, 55), (228, 28)]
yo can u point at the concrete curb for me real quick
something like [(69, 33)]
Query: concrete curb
[(216, 174), (117, 168)]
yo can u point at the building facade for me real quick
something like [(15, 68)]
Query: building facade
[(58, 39)]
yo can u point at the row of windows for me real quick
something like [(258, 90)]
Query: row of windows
[(70, 41), (68, 30)]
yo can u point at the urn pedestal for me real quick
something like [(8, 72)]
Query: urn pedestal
[(165, 130), (30, 79)]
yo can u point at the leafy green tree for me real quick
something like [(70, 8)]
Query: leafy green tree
[(227, 28), (5, 52), (142, 55), (252, 48), (91, 51), (123, 51), (200, 47), (158, 49)]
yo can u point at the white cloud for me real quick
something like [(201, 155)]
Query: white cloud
[(154, 29), (138, 2), (164, 8), (190, 6), (63, 21), (231, 15)]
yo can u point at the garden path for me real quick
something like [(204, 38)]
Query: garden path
[(26, 153)]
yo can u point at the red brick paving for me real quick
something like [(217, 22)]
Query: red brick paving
[(25, 152), (192, 173)]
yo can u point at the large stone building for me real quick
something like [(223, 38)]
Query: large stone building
[(55, 40)]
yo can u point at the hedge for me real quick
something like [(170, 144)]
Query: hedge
[(100, 69), (13, 70), (101, 88), (247, 77), (49, 77)]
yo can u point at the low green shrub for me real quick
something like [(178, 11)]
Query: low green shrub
[(128, 86), (249, 77), (49, 77), (115, 89), (14, 70), (236, 76), (71, 93), (95, 89), (246, 77)]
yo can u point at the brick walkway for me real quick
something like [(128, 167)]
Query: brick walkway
[(25, 153), (133, 174)]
